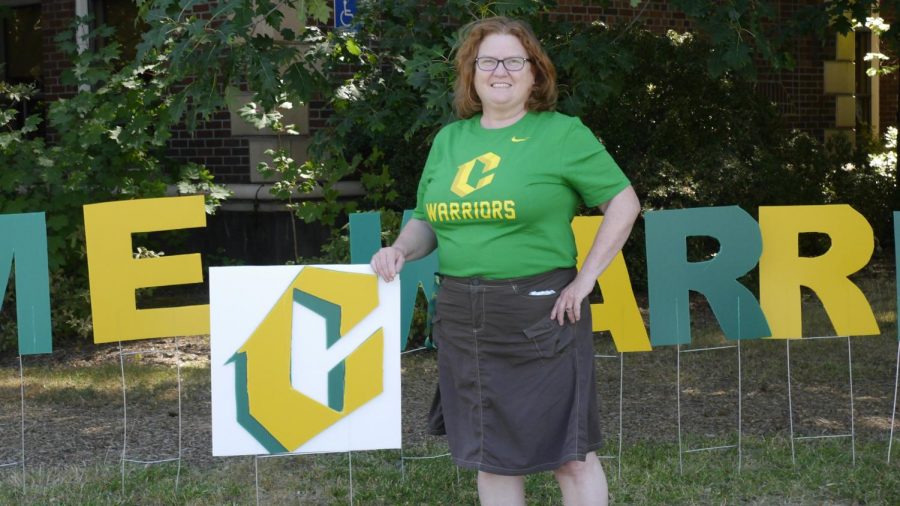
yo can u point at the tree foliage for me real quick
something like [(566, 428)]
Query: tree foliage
[(220, 46), (678, 111), (107, 142)]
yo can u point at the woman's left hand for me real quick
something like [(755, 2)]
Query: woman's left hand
[(619, 214), (568, 304)]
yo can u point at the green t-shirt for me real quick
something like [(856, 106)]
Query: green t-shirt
[(501, 201)]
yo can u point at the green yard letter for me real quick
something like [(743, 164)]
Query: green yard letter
[(671, 276), (23, 237), (365, 240)]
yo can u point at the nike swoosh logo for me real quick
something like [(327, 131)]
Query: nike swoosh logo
[(520, 139)]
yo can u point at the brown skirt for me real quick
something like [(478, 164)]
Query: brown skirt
[(517, 392)]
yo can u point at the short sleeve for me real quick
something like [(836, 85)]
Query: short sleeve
[(589, 168), (427, 174)]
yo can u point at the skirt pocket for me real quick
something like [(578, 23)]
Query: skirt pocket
[(549, 338)]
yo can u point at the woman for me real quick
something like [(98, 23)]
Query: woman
[(512, 324)]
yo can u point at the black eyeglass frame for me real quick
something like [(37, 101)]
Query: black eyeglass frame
[(501, 62)]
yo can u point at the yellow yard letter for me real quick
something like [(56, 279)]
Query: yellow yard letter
[(619, 311), (115, 274), (782, 271)]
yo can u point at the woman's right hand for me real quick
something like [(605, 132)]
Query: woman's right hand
[(415, 241), (387, 262)]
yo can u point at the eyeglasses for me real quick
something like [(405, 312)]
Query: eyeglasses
[(512, 64)]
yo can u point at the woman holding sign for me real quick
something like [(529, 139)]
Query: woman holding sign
[(513, 325)]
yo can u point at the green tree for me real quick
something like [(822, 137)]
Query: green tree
[(108, 143)]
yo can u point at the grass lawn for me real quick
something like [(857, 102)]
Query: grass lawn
[(823, 475)]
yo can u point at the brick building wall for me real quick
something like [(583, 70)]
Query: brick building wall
[(213, 145), (318, 113), (56, 16), (799, 92), (654, 15)]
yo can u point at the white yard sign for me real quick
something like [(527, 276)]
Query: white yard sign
[(304, 359)]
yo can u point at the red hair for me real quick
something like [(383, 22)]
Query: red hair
[(465, 100)]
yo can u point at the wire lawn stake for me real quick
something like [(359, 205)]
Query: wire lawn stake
[(737, 446), (894, 405), (618, 457), (350, 471), (124, 458), (256, 476), (852, 434), (21, 461)]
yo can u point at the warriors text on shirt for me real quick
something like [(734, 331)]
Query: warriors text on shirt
[(478, 210)]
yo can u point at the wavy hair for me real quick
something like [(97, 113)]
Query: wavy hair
[(465, 100)]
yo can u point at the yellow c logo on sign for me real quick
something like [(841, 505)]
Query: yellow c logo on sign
[(461, 184), (268, 406)]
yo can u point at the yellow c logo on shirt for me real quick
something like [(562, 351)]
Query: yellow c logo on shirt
[(461, 184)]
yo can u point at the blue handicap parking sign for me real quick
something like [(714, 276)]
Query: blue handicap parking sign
[(344, 10)]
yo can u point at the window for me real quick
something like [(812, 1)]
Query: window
[(21, 46), (122, 15), (21, 54)]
